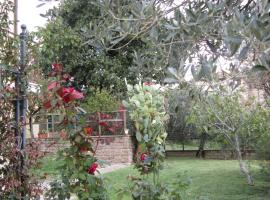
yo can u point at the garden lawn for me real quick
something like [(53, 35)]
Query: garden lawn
[(211, 180)]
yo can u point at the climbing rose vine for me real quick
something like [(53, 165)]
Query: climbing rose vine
[(79, 163)]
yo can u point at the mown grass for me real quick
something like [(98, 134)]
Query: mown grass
[(211, 179)]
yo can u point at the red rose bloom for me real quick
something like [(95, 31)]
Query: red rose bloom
[(62, 91), (143, 156), (76, 95), (69, 94), (92, 168)]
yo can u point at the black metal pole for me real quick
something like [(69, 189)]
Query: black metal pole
[(23, 84)]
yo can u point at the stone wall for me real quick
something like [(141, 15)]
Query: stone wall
[(113, 149)]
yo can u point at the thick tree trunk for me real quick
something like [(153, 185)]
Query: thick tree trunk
[(200, 152), (243, 167)]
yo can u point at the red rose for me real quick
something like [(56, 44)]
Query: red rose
[(92, 168), (62, 91), (143, 156), (88, 130), (69, 94), (76, 95)]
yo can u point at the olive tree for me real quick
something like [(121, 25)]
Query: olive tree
[(226, 114)]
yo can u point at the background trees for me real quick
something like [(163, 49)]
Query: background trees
[(237, 119), (72, 32)]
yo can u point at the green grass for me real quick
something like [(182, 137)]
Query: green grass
[(211, 179), (48, 166)]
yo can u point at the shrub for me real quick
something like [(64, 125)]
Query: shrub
[(101, 101)]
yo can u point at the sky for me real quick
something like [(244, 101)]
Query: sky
[(29, 14)]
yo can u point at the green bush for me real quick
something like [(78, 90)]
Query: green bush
[(101, 101)]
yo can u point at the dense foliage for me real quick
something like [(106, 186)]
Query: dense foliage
[(147, 111), (68, 33), (101, 101), (146, 106)]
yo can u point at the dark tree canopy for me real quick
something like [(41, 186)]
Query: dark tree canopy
[(66, 39)]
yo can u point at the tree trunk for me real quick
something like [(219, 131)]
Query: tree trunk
[(243, 167), (200, 152)]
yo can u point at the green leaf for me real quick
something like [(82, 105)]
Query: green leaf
[(146, 122), (138, 136), (125, 103), (176, 109), (171, 27), (118, 39), (255, 29), (146, 138), (243, 52), (233, 43), (173, 71), (154, 33), (259, 68)]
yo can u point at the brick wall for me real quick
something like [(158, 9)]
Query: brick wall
[(113, 149)]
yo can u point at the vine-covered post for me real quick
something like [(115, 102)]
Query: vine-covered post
[(21, 85)]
